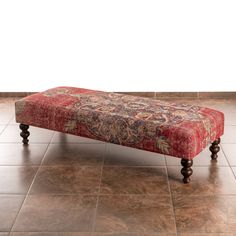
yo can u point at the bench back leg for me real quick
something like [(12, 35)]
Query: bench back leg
[(186, 171), (25, 133), (215, 148)]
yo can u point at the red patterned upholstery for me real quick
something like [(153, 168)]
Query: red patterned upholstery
[(153, 125)]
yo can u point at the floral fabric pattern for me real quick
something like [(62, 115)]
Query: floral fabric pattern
[(153, 125)]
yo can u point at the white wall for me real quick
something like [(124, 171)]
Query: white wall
[(118, 45)]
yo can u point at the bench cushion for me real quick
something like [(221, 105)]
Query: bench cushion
[(178, 130)]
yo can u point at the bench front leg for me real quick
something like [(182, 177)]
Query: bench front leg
[(186, 171), (215, 148), (25, 133)]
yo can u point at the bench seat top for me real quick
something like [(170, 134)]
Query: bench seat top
[(179, 130)]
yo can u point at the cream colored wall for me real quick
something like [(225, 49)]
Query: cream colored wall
[(118, 45)]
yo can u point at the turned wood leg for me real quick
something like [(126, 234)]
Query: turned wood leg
[(186, 171), (215, 148), (25, 133)]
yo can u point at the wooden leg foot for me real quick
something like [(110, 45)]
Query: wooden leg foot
[(186, 171), (215, 148), (25, 133)]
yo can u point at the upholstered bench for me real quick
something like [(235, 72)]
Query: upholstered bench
[(177, 130)]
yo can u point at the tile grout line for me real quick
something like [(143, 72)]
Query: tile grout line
[(227, 161), (7, 124), (99, 190), (26, 195), (171, 197)]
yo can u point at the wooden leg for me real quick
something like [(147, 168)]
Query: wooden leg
[(25, 133), (215, 148), (186, 171)]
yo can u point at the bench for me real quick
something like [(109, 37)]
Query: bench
[(178, 130)]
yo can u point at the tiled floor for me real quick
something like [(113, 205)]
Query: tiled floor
[(66, 185)]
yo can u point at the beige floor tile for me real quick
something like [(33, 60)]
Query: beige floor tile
[(33, 234), (13, 121), (56, 213), (224, 105), (202, 159), (6, 115), (229, 134), (234, 170), (75, 234), (117, 155), (205, 214), (134, 180), (37, 135), (134, 213), (134, 234), (2, 127), (16, 179), (67, 180), (205, 181), (75, 154), (230, 152), (18, 154), (230, 118), (9, 207), (206, 234)]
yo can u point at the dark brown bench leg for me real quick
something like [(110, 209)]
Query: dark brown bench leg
[(215, 148), (25, 133), (186, 171)]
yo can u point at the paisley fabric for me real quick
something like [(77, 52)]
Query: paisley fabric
[(153, 125)]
